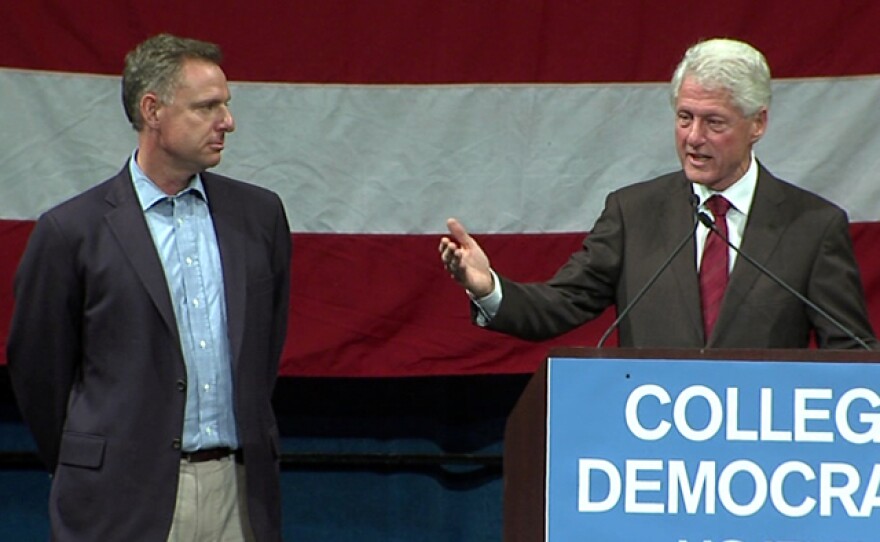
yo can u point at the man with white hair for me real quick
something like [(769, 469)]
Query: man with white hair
[(708, 296)]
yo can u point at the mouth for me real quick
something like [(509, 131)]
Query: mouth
[(698, 159)]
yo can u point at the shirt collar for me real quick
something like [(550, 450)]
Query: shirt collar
[(149, 194), (740, 194)]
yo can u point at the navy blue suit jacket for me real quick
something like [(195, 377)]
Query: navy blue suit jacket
[(96, 362)]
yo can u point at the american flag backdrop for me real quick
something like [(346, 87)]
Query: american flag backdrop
[(376, 120)]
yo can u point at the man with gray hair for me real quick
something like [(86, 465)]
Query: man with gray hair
[(150, 317), (673, 278)]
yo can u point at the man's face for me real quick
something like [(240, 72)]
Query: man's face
[(192, 126), (713, 138)]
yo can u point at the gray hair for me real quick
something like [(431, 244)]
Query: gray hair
[(154, 66), (727, 64)]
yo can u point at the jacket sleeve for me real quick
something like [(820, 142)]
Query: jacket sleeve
[(835, 285), (44, 345), (281, 269), (579, 291)]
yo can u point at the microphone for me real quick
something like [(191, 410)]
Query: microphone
[(709, 223), (694, 201)]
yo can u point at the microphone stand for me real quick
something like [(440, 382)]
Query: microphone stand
[(709, 223), (694, 199)]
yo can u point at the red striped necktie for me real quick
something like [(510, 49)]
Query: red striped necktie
[(714, 265)]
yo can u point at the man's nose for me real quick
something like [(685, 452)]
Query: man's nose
[(227, 123), (696, 133)]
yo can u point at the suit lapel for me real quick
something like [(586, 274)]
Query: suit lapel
[(680, 218), (126, 220), (233, 249), (760, 238)]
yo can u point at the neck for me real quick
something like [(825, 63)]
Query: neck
[(159, 169)]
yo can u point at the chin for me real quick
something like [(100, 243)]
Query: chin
[(211, 163), (699, 177)]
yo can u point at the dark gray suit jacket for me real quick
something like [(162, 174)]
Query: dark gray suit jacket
[(96, 363), (799, 236)]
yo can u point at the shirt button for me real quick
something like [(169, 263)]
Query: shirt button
[(196, 302), (189, 261), (207, 387), (203, 344)]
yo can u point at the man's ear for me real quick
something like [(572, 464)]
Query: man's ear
[(150, 106), (759, 125)]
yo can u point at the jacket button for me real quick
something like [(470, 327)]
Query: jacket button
[(175, 444), (181, 385)]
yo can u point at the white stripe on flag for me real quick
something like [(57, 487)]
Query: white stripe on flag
[(400, 159)]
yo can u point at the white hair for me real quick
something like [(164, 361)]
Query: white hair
[(727, 64)]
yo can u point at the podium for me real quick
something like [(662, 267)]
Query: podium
[(695, 445)]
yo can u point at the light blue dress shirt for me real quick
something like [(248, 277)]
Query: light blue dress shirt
[(183, 233)]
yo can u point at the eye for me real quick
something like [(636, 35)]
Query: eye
[(717, 125), (684, 119), (207, 107)]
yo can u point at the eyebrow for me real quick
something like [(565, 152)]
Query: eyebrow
[(212, 101)]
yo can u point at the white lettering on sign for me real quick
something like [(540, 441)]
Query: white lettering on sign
[(815, 415), (655, 486)]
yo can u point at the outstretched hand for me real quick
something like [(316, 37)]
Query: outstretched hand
[(465, 260)]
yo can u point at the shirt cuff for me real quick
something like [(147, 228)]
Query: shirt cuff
[(487, 306)]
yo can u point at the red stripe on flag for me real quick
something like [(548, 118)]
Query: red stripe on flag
[(381, 305), (426, 41)]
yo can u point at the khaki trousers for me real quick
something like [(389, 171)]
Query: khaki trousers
[(211, 503)]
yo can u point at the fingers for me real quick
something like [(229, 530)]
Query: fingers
[(450, 255), (447, 249), (464, 260), (452, 251), (444, 242), (458, 252), (458, 231)]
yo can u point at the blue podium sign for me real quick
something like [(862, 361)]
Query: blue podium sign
[(642, 450)]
